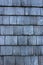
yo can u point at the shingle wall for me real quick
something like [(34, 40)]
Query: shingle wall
[(21, 32)]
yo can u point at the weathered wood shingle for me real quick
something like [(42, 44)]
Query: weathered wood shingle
[(21, 32)]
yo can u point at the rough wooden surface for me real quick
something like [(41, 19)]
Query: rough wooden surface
[(21, 32)]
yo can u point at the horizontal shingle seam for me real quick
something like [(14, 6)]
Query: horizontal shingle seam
[(22, 6), (21, 15)]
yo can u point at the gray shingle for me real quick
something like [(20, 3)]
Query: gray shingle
[(0, 50), (6, 50), (39, 40), (0, 30), (40, 21), (33, 20), (30, 50), (0, 19), (5, 2), (41, 51), (6, 30), (20, 19), (9, 10), (29, 2), (16, 2), (26, 20), (19, 60), (3, 30), (31, 40), (9, 60), (26, 50), (28, 30), (24, 2), (3, 50), (1, 2), (37, 50), (34, 60), (6, 19), (32, 11), (1, 60), (38, 30), (36, 3), (40, 60), (23, 20), (16, 50), (35, 11), (11, 40), (9, 29), (42, 2), (18, 30), (8, 2), (12, 19), (1, 10), (1, 40), (12, 11), (41, 11), (22, 40), (15, 30), (19, 11), (27, 11), (27, 60), (42, 39)]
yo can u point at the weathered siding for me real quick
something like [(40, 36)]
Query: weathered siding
[(21, 32)]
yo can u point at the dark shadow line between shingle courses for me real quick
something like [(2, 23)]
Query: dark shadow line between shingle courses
[(21, 45), (21, 6), (21, 55)]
